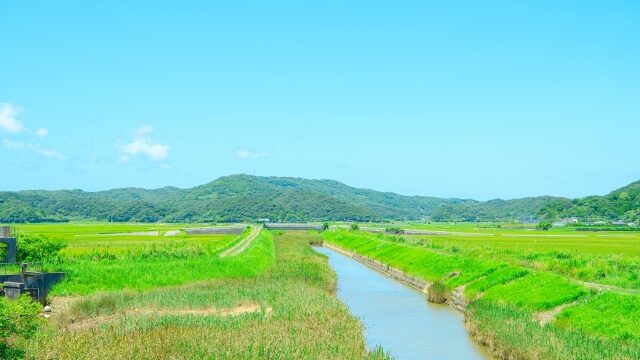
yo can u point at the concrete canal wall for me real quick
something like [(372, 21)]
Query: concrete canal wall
[(456, 299)]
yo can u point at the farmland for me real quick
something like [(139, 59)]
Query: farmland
[(135, 286), (129, 294), (574, 292)]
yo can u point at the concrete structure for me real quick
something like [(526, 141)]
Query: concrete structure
[(293, 226), (36, 284), (216, 230), (7, 236)]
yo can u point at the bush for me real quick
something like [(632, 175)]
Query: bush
[(355, 227), (544, 225), (38, 248), (394, 230), (18, 318), (438, 293)]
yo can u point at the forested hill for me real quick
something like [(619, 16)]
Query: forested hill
[(621, 204), (247, 198)]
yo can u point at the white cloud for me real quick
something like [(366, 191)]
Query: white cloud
[(49, 153), (144, 130), (8, 118), (13, 145), (246, 154), (42, 132), (45, 152), (141, 144)]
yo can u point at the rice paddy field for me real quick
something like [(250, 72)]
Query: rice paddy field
[(153, 291), (133, 292), (533, 294)]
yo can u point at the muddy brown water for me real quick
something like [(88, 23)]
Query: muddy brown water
[(399, 318)]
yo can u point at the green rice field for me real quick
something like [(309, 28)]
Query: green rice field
[(566, 287), (130, 286)]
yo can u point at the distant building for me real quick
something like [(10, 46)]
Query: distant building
[(566, 221), (293, 226), (619, 223)]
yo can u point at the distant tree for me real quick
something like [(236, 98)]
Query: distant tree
[(325, 226), (355, 227), (545, 225), (394, 230)]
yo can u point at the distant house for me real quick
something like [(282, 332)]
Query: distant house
[(619, 223), (566, 221)]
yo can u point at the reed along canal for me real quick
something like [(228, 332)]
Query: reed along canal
[(399, 318)]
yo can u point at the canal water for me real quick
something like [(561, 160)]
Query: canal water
[(399, 318)]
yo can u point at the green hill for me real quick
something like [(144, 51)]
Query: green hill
[(247, 198), (621, 204)]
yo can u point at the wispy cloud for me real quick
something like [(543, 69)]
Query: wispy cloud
[(13, 145), (41, 132), (9, 119), (247, 154), (142, 144), (35, 148)]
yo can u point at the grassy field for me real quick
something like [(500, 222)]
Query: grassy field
[(299, 316), (108, 257), (132, 292), (137, 291), (516, 277), (608, 257)]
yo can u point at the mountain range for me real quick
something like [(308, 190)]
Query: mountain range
[(248, 198)]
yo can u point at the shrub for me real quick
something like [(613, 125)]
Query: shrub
[(38, 248), (438, 293), (18, 318), (544, 225), (394, 230)]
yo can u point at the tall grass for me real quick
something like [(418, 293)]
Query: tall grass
[(511, 296), (606, 315), (149, 268), (307, 320), (513, 334)]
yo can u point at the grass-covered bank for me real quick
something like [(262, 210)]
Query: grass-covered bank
[(174, 262), (300, 317), (513, 333), (508, 301)]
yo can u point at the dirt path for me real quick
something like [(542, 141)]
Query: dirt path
[(243, 244), (228, 312), (602, 287), (136, 233)]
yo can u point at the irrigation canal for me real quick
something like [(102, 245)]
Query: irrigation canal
[(399, 318)]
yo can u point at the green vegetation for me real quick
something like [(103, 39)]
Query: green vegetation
[(298, 315), (608, 258), (109, 257), (539, 291), (516, 278), (512, 333), (19, 320), (621, 204), (32, 248), (247, 198), (607, 315)]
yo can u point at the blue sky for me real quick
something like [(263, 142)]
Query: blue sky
[(474, 99)]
